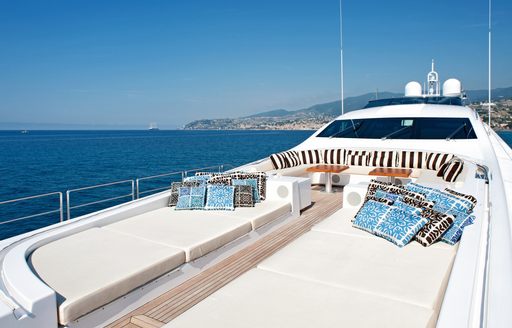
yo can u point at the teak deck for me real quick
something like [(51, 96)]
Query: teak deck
[(176, 301)]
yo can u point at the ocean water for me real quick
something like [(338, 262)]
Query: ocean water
[(48, 161)]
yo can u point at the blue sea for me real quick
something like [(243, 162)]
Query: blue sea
[(48, 161)]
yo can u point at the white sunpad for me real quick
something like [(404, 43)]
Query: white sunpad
[(412, 274), (196, 232), (260, 298), (261, 214), (94, 267)]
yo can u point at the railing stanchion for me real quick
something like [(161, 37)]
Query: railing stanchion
[(61, 207), (133, 190), (68, 209), (137, 188)]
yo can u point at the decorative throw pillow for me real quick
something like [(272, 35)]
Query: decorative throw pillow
[(175, 190), (202, 179), (212, 174), (243, 196), (399, 227), (249, 182), (413, 210), (471, 198), (435, 160), (220, 197), (383, 158), (453, 169), (221, 179), (370, 214), (285, 159), (411, 159), (423, 204), (191, 198), (356, 157), (454, 233), (334, 156), (386, 195), (445, 202), (261, 177), (311, 156), (414, 187), (391, 188), (438, 223), (375, 199)]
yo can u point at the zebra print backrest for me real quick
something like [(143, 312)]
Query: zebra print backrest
[(334, 156), (285, 159), (311, 156), (408, 159), (384, 158), (435, 160), (357, 157)]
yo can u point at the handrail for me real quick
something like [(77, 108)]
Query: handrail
[(138, 180), (68, 194), (60, 209)]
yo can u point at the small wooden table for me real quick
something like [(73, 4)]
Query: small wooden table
[(391, 172), (328, 170)]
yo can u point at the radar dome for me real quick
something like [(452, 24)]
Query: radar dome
[(452, 88), (413, 89)]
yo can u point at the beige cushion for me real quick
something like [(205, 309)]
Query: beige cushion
[(91, 268), (413, 274), (261, 298), (195, 232), (261, 214)]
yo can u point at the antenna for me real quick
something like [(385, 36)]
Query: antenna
[(341, 60), (489, 94), (433, 82)]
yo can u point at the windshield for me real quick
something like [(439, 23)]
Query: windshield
[(401, 128)]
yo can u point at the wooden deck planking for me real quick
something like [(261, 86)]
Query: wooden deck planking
[(176, 301)]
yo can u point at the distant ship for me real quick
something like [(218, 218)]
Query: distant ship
[(24, 131), (153, 127)]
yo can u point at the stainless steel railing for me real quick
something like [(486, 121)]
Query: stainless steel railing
[(136, 192), (60, 210), (68, 195)]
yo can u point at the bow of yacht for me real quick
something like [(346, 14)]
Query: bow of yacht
[(296, 254)]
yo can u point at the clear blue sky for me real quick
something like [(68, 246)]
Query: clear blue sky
[(169, 61)]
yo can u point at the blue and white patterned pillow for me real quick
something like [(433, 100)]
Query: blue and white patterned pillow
[(191, 198), (370, 214), (414, 187), (407, 208), (202, 179), (399, 227), (444, 202), (386, 195), (220, 197), (453, 234), (249, 182)]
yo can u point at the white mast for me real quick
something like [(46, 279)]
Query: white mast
[(433, 82), (341, 60), (489, 73)]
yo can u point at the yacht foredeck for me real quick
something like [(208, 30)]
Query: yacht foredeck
[(176, 301)]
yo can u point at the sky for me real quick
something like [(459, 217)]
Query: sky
[(129, 63)]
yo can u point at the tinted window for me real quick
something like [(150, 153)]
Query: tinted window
[(401, 128)]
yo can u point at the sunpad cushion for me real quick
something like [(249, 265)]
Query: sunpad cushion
[(220, 197), (438, 223), (399, 226), (370, 215)]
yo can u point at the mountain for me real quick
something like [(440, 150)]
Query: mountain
[(315, 116)]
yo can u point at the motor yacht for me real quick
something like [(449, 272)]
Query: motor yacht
[(296, 258)]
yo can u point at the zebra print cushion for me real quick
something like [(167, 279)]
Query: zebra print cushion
[(411, 159), (285, 159), (312, 156), (391, 188), (453, 170), (356, 157), (471, 198), (221, 180), (435, 160), (383, 158), (416, 202), (334, 156), (438, 223)]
